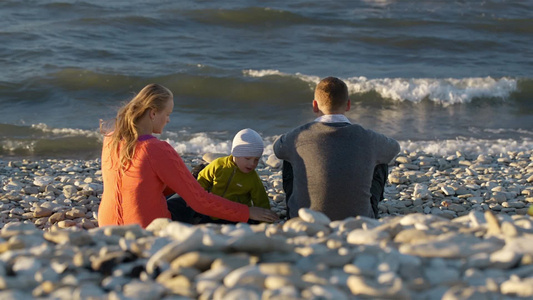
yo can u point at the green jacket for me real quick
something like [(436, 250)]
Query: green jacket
[(222, 177)]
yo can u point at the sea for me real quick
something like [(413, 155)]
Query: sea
[(440, 76)]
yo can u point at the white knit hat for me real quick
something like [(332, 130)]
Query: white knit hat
[(247, 143)]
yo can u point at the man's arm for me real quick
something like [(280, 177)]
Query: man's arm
[(279, 147), (386, 148)]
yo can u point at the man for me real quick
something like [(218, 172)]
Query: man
[(338, 168)]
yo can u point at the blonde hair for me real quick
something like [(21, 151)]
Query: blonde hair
[(125, 134), (331, 93)]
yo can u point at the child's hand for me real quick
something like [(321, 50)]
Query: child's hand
[(262, 214)]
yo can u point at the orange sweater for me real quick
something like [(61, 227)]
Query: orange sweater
[(137, 195)]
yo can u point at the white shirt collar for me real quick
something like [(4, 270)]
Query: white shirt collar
[(338, 118)]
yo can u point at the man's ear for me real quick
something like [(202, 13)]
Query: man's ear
[(348, 105), (315, 107)]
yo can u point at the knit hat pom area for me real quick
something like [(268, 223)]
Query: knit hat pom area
[(247, 143)]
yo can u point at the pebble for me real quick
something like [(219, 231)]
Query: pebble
[(451, 227)]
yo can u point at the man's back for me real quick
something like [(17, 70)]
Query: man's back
[(333, 164)]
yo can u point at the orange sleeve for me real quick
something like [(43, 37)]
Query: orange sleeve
[(171, 170), (168, 191)]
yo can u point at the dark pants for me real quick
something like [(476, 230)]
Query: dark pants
[(377, 189), (181, 212), (288, 178), (379, 179)]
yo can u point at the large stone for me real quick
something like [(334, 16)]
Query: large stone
[(74, 238), (363, 287), (70, 191), (209, 157), (311, 216), (516, 286), (367, 237), (451, 246), (143, 290), (273, 161), (245, 276), (300, 226), (233, 261), (324, 292), (199, 260), (493, 223), (43, 180), (40, 212), (163, 257)]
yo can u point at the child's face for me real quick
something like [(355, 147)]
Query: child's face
[(246, 164)]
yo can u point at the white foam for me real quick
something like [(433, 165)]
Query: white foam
[(202, 143), (468, 146), (199, 144), (66, 131), (507, 130), (14, 145), (380, 3), (264, 73), (185, 142), (445, 91)]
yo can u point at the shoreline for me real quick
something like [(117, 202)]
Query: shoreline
[(453, 226)]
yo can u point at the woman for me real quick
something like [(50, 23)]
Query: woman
[(139, 170)]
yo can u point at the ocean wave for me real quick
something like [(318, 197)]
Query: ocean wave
[(507, 130), (200, 143), (263, 73), (19, 147), (445, 91), (45, 141), (249, 16), (203, 143), (66, 132), (71, 142), (266, 73), (78, 147), (469, 146), (271, 85)]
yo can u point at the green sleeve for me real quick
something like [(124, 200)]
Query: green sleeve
[(206, 177), (259, 195)]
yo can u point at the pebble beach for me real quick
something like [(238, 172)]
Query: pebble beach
[(451, 227), (451, 81)]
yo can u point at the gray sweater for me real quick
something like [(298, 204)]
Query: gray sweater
[(333, 165)]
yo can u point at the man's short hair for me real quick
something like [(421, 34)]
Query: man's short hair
[(331, 93)]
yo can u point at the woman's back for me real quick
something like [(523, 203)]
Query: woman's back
[(136, 194)]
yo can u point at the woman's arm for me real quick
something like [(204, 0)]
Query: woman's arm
[(171, 169)]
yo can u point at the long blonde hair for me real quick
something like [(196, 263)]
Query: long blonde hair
[(125, 133)]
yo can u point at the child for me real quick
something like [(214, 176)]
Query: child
[(234, 177)]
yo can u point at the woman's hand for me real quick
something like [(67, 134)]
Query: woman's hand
[(263, 214)]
